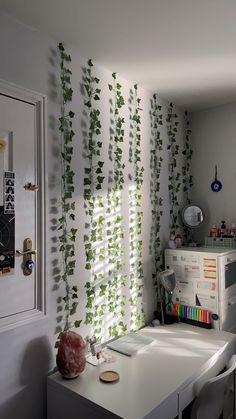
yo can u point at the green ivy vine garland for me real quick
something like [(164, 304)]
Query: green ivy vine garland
[(135, 215), (186, 169), (174, 176), (156, 161), (93, 182), (115, 227), (67, 235)]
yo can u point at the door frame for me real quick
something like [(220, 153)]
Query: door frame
[(41, 307)]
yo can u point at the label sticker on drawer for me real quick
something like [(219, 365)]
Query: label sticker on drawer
[(209, 263), (192, 271), (206, 285)]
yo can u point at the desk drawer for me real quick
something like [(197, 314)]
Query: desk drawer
[(62, 404), (166, 410)]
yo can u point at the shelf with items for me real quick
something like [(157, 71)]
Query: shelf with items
[(225, 242)]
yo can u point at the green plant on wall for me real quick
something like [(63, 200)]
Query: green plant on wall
[(93, 201), (174, 184), (114, 223), (67, 237), (156, 161), (135, 214), (186, 169)]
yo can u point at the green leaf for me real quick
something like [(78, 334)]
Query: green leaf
[(77, 323), (100, 179), (61, 47), (87, 181), (89, 255)]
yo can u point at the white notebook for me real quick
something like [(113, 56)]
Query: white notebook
[(130, 344)]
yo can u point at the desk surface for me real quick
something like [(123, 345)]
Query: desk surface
[(149, 379)]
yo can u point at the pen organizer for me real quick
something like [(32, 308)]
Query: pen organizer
[(192, 315)]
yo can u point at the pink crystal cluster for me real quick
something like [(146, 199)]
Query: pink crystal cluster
[(71, 355)]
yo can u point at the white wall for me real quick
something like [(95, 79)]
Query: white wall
[(214, 142), (26, 353)]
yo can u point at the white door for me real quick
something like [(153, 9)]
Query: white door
[(20, 218)]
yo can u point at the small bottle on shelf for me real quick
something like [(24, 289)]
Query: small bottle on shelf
[(232, 232), (223, 230), (214, 231)]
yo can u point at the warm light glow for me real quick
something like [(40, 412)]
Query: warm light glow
[(135, 303), (107, 297)]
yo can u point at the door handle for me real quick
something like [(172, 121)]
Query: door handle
[(27, 253)]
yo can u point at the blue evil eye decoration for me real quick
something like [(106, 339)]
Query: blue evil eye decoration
[(216, 185), (29, 264)]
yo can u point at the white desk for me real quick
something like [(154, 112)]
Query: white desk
[(158, 382)]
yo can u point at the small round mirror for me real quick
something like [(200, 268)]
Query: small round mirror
[(192, 216)]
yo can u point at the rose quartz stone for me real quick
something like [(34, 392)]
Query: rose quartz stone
[(71, 355)]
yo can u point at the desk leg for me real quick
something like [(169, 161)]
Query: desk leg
[(180, 409), (234, 395)]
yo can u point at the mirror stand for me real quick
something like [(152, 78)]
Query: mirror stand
[(192, 218), (191, 242)]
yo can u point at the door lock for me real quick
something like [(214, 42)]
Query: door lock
[(27, 253)]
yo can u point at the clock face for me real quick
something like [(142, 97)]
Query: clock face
[(7, 239)]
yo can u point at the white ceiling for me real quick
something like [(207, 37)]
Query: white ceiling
[(185, 50)]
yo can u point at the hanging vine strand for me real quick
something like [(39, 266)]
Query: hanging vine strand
[(156, 161), (186, 169), (174, 175), (135, 216), (115, 227), (93, 182), (67, 233)]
